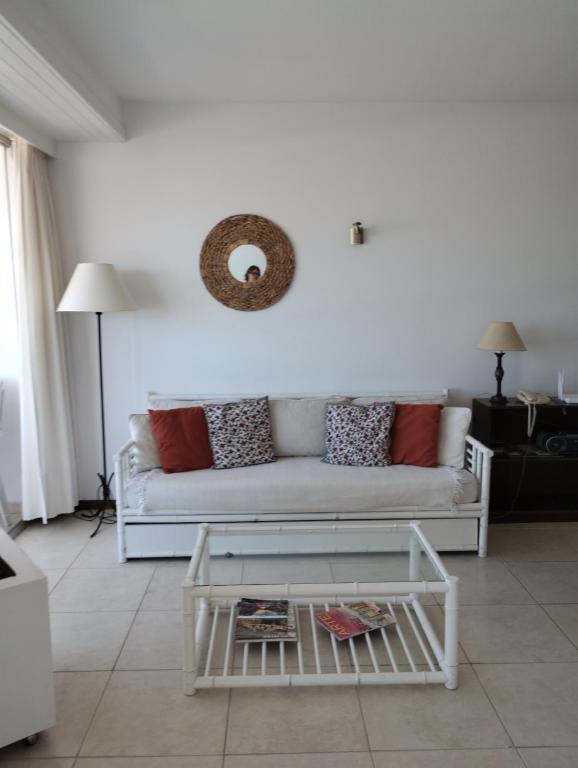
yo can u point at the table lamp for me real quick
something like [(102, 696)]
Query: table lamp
[(501, 337), (97, 288)]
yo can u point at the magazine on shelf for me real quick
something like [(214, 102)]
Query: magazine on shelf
[(372, 614), (354, 619), (265, 621)]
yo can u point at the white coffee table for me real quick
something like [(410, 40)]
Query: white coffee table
[(409, 573)]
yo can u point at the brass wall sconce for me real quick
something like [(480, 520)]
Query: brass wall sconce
[(356, 233)]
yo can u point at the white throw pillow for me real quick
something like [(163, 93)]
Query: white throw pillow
[(454, 426), (144, 454), (298, 424)]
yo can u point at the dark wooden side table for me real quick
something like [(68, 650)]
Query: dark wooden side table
[(528, 484)]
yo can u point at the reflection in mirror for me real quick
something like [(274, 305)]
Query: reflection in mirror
[(247, 263)]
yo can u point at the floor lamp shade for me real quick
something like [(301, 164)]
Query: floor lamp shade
[(95, 288)]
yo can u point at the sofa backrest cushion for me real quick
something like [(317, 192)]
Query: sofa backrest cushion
[(298, 424), (144, 454), (454, 426)]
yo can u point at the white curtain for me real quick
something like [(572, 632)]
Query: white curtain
[(48, 457)]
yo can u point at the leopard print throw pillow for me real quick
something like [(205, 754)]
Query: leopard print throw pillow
[(358, 435), (240, 433)]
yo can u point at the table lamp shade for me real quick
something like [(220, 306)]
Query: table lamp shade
[(501, 337), (95, 288)]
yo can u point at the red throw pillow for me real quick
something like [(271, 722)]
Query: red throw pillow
[(415, 433), (182, 438)]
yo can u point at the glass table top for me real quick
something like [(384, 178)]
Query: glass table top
[(317, 569), (389, 563)]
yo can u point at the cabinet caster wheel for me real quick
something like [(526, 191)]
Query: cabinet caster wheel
[(30, 741)]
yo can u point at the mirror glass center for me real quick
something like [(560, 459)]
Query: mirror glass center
[(247, 263)]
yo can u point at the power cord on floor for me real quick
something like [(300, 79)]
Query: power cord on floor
[(89, 515), (522, 476)]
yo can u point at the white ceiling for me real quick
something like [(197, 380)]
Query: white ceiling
[(327, 50)]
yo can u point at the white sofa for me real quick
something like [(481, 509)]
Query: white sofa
[(159, 514)]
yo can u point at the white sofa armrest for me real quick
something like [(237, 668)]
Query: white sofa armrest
[(479, 463), (122, 473), (480, 446), (124, 450)]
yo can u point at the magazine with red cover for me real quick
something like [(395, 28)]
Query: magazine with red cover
[(354, 619), (342, 623)]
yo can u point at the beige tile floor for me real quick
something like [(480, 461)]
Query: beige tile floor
[(116, 633)]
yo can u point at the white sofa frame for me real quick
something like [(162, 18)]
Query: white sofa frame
[(174, 533)]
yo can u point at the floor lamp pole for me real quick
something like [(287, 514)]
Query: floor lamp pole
[(104, 488), (102, 425)]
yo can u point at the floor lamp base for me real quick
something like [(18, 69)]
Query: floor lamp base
[(104, 511), (102, 514)]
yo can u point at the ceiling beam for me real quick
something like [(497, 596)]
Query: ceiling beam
[(45, 81)]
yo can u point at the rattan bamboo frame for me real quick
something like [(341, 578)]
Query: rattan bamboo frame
[(207, 666), (242, 229)]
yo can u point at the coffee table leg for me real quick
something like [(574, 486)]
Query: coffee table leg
[(414, 557), (451, 633), (189, 644)]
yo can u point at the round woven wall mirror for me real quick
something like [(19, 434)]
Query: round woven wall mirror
[(247, 262)]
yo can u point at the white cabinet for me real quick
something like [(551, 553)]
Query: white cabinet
[(26, 685)]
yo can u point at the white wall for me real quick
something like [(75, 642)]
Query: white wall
[(471, 214)]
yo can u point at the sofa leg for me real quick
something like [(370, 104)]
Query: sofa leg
[(483, 535), (121, 543), (189, 684)]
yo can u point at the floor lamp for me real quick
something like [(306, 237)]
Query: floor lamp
[(97, 288)]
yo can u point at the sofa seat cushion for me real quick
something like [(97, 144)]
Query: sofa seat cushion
[(300, 484)]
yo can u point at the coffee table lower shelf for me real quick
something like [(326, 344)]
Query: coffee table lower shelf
[(400, 654)]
